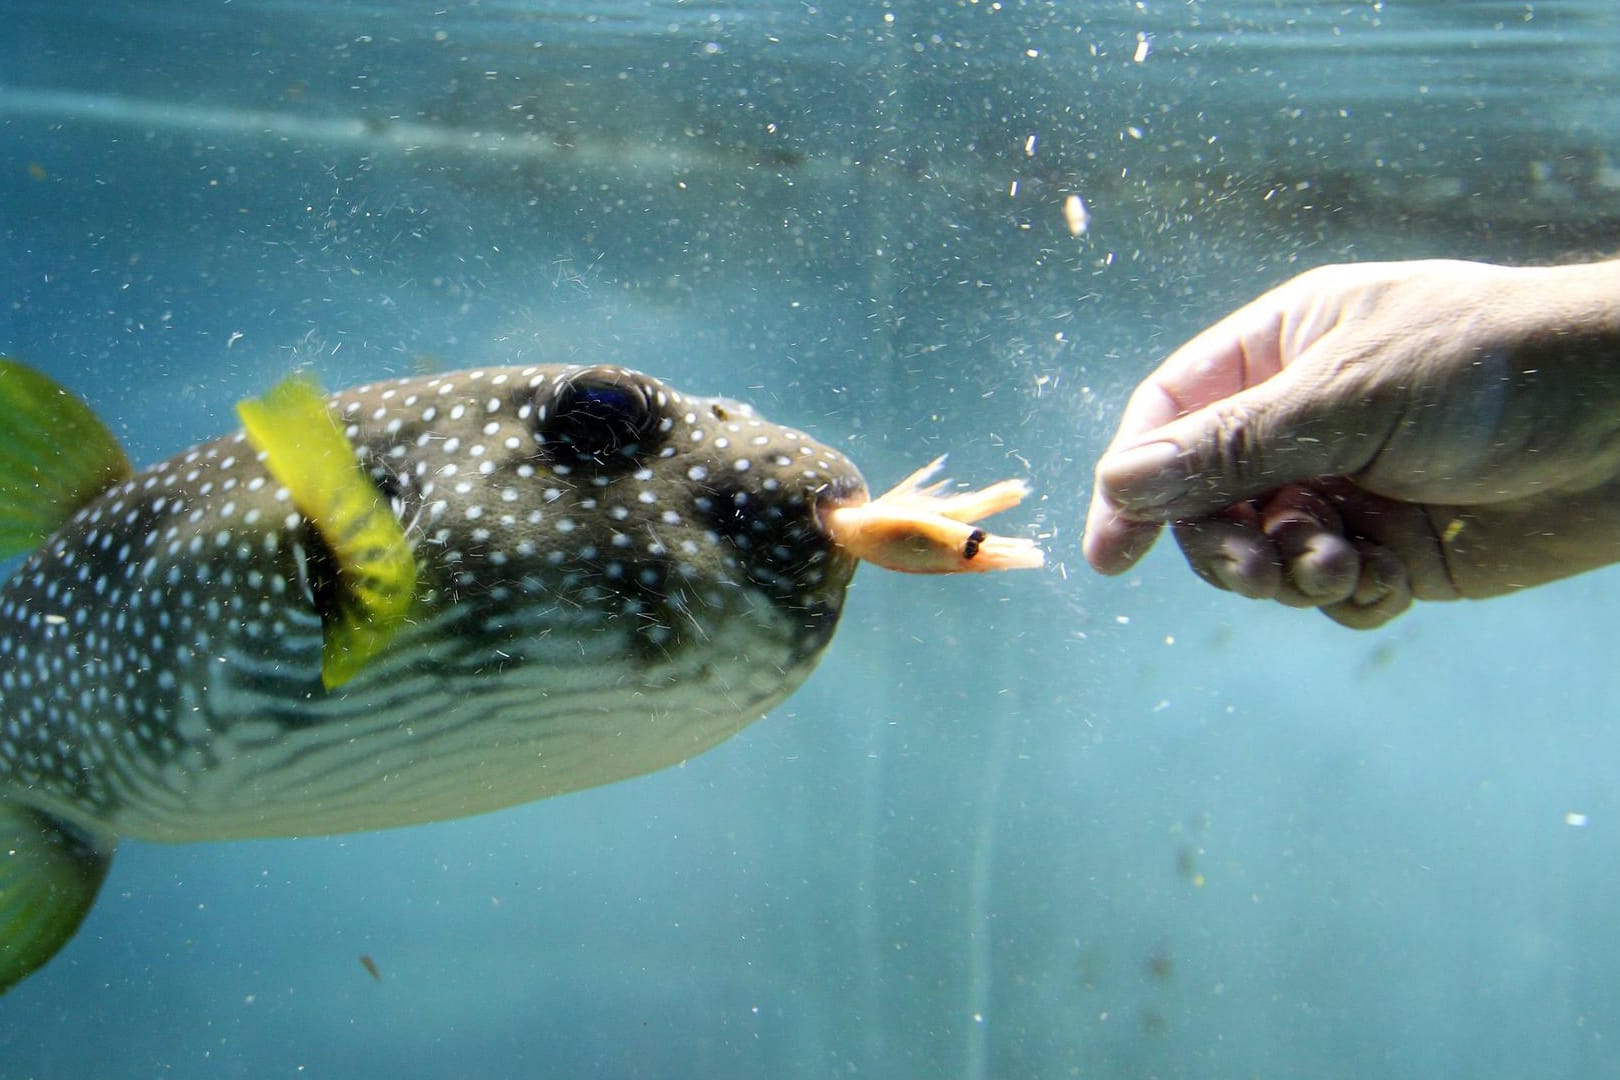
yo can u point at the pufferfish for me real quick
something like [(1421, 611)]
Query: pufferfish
[(407, 602)]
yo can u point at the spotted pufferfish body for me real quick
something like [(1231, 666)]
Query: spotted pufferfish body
[(608, 576)]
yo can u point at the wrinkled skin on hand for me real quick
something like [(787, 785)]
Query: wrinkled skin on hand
[(1368, 434)]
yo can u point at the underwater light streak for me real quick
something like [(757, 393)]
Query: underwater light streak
[(980, 917), (373, 135)]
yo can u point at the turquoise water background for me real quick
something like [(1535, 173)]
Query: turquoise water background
[(1037, 825)]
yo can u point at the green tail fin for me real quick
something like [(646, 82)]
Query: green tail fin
[(50, 872), (376, 573), (55, 456)]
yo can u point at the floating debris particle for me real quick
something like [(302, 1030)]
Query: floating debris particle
[(1075, 215)]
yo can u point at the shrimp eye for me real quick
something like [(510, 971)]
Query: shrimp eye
[(599, 415)]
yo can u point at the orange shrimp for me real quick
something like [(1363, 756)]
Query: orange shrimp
[(915, 528)]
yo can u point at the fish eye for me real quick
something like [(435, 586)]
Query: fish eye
[(597, 415)]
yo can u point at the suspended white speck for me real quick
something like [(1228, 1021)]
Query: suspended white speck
[(1075, 215)]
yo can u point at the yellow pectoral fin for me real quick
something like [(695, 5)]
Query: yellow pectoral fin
[(55, 456), (305, 451)]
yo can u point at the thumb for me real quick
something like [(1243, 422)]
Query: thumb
[(1291, 428)]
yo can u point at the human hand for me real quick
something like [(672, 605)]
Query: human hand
[(1368, 434)]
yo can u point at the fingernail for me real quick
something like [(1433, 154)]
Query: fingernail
[(1144, 476)]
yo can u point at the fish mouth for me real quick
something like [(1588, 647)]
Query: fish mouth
[(837, 494)]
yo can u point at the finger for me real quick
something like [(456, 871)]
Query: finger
[(1276, 393), (1315, 418), (1231, 551), (1240, 351), (1413, 536), (1112, 543), (1321, 566), (1383, 590)]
